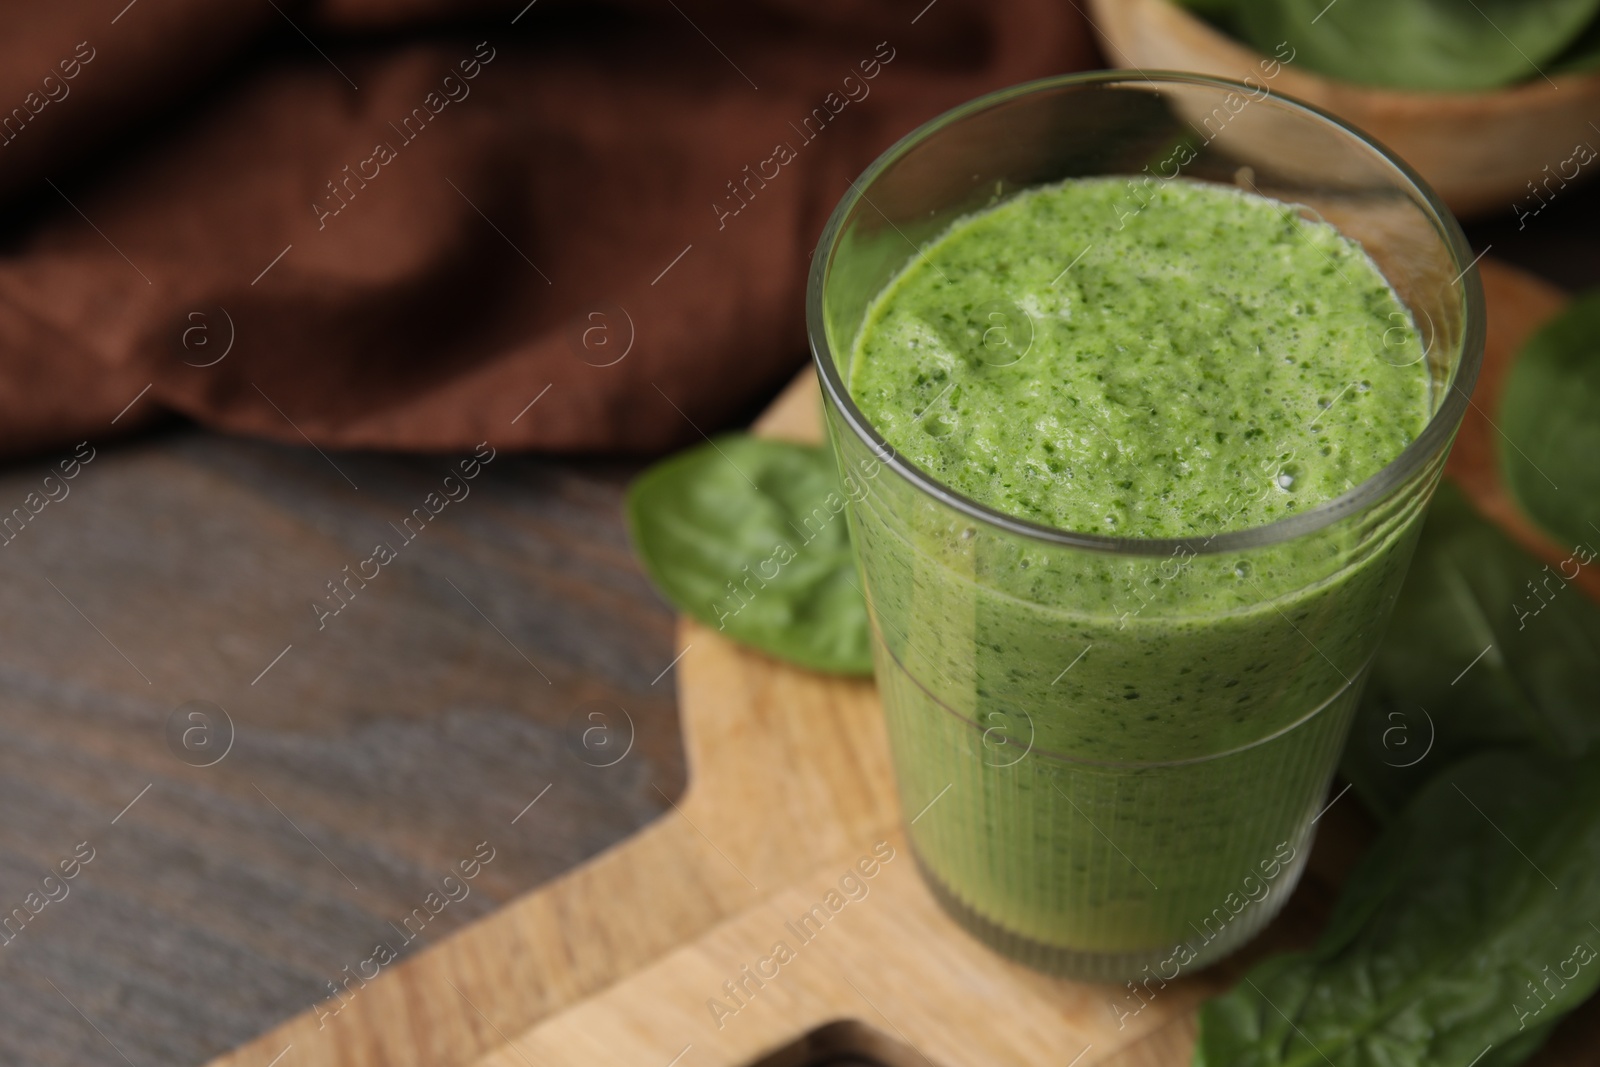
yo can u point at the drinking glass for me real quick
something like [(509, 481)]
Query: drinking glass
[(1111, 752)]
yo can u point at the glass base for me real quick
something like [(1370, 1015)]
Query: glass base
[(1084, 966)]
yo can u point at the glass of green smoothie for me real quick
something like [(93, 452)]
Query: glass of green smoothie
[(1139, 386)]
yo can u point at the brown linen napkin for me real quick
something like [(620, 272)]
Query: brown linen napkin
[(394, 224)]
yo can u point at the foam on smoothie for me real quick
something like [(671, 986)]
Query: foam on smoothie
[(1143, 367)]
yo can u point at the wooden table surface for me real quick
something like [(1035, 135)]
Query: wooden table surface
[(503, 653), (511, 653)]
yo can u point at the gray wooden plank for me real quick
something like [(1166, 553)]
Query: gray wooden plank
[(366, 763)]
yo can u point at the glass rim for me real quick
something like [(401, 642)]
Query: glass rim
[(1433, 439)]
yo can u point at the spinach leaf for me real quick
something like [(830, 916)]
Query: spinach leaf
[(1431, 45), (1487, 647), (747, 535), (1468, 931), (1550, 420), (1210, 9), (1582, 55)]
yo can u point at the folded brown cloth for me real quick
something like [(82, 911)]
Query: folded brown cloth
[(396, 224)]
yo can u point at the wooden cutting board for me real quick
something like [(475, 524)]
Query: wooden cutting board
[(620, 961)]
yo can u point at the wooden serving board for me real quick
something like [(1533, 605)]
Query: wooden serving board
[(619, 961)]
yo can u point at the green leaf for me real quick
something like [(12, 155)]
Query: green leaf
[(748, 536), (1487, 647), (1430, 45), (1471, 928), (1581, 56), (1550, 421), (1211, 9)]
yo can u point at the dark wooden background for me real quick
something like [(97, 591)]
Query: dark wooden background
[(368, 761), (374, 755)]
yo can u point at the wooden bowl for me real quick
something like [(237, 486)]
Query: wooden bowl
[(1479, 151)]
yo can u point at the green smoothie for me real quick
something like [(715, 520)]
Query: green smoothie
[(1124, 751)]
